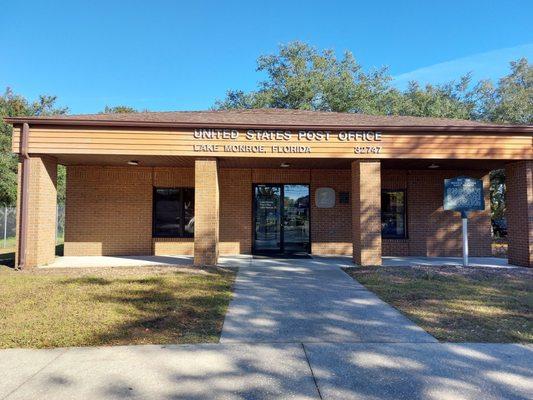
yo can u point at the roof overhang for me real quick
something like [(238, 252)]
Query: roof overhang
[(516, 129)]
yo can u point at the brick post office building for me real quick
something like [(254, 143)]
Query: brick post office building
[(265, 181)]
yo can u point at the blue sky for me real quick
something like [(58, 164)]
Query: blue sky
[(177, 55)]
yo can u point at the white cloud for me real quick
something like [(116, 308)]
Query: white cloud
[(490, 65)]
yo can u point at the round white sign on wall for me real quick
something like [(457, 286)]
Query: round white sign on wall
[(325, 197)]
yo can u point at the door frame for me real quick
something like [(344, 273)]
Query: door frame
[(282, 215)]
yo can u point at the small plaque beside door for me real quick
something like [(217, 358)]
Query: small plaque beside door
[(325, 198)]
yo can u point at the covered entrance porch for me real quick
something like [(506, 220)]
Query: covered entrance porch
[(383, 210), (182, 183)]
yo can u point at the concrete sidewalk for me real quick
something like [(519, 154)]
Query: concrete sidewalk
[(243, 260), (311, 300), (365, 371), (296, 329)]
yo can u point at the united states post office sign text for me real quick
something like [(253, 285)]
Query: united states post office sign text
[(274, 141)]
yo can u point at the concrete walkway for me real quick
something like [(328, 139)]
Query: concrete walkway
[(485, 262), (311, 300), (243, 260), (296, 329), (139, 261), (367, 371)]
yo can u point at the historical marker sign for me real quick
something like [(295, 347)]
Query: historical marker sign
[(463, 194)]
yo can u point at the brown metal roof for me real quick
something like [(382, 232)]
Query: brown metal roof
[(271, 118)]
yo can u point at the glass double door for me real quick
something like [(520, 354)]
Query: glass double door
[(281, 218)]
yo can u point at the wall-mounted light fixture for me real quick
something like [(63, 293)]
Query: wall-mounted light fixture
[(133, 162), (285, 165), (433, 166)]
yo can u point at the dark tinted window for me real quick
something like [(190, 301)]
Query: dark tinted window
[(393, 224), (173, 212)]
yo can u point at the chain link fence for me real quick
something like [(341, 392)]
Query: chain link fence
[(8, 217), (8, 225)]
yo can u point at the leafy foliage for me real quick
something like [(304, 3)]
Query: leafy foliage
[(301, 77), (497, 193), (13, 105), (118, 110), (512, 100)]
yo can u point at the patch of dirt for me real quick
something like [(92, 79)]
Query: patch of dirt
[(118, 271), (454, 270)]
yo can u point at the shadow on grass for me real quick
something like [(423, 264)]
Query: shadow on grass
[(170, 308), (458, 304), (87, 280)]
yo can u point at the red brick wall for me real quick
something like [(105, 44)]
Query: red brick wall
[(331, 228), (94, 226), (366, 214), (280, 175), (109, 211), (434, 232), (519, 212), (235, 211), (42, 211), (206, 212)]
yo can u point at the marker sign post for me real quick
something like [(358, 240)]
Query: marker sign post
[(464, 194)]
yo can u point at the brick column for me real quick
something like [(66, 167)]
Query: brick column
[(366, 212), (206, 212), (519, 212), (42, 211)]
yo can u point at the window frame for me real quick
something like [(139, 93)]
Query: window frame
[(182, 233), (405, 216)]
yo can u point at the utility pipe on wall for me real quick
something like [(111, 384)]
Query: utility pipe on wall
[(24, 194)]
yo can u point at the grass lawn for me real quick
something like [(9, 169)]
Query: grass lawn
[(457, 304), (8, 245), (112, 306)]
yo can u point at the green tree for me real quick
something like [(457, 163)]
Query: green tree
[(450, 100), (511, 101), (497, 193), (13, 105), (118, 110), (301, 77)]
